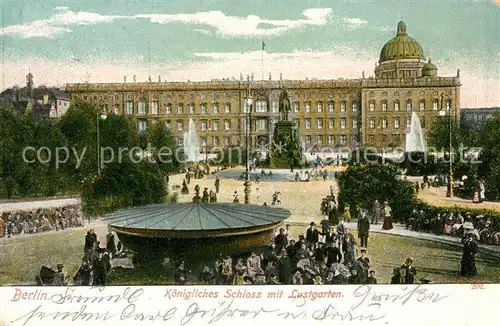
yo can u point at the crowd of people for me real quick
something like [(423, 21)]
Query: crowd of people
[(13, 223), (484, 229), (316, 257), (95, 265)]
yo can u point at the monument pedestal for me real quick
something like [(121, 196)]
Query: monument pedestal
[(285, 150)]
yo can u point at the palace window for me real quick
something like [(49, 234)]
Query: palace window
[(307, 140), (371, 106), (141, 108), (384, 123), (396, 123), (203, 108), (421, 105), (331, 106), (116, 109), (448, 105), (408, 122), (331, 123), (319, 123), (167, 125), (342, 106), (435, 105), (215, 108), (308, 107), (307, 124), (319, 107), (154, 107), (275, 106), (227, 141), (372, 123), (180, 125), (261, 124), (384, 105), (129, 107), (409, 105), (354, 107), (396, 105), (331, 140), (342, 123), (227, 107), (215, 125), (203, 125), (261, 106), (180, 108), (215, 141), (354, 123), (180, 141), (295, 107), (168, 108), (203, 142), (319, 140), (227, 124), (342, 139), (142, 124)]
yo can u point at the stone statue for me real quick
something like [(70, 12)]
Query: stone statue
[(270, 77), (284, 105), (124, 79), (134, 78), (159, 78)]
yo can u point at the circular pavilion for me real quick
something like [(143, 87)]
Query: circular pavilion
[(184, 230)]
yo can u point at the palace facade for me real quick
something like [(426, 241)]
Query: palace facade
[(374, 111)]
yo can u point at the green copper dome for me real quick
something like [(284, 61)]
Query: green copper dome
[(401, 46), (429, 69)]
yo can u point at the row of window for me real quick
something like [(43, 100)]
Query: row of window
[(330, 140), (260, 106), (409, 105), (262, 124), (331, 123), (384, 123)]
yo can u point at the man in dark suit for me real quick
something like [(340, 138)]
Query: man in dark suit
[(363, 230), (333, 255), (312, 236), (281, 240)]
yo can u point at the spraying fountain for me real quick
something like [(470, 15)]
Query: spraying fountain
[(191, 145), (415, 141)]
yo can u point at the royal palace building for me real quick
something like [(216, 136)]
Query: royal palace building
[(374, 111)]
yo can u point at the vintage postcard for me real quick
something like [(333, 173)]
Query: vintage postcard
[(201, 162)]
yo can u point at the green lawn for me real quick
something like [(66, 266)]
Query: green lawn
[(21, 259)]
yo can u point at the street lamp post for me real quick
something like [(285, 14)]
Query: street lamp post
[(443, 113), (99, 116), (249, 102)]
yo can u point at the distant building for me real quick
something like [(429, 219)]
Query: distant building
[(477, 118), (374, 111), (43, 101)]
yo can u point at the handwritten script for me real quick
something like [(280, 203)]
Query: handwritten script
[(365, 303)]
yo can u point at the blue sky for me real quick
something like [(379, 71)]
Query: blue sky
[(102, 41)]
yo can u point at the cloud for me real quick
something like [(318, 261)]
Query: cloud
[(234, 26), (57, 24), (226, 26), (355, 21)]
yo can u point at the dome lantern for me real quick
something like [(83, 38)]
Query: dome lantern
[(401, 29)]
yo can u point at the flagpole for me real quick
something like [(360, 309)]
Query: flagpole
[(262, 60)]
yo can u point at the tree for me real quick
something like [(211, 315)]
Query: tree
[(164, 148), (438, 136), (361, 184), (489, 158)]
